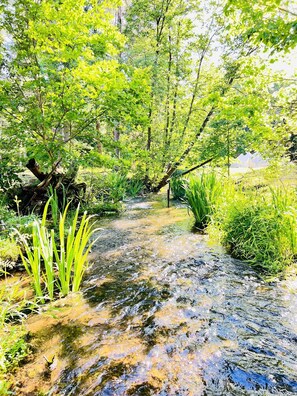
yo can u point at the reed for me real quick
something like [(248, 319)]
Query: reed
[(201, 195), (58, 262)]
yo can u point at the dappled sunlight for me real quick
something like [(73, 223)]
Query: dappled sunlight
[(163, 313)]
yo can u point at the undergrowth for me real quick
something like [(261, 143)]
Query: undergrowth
[(259, 227), (14, 347), (256, 224), (201, 195)]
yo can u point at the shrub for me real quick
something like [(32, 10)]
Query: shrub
[(202, 194), (263, 231)]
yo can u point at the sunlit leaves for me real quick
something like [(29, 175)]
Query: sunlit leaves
[(271, 22), (61, 61)]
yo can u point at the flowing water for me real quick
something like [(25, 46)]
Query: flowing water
[(162, 313)]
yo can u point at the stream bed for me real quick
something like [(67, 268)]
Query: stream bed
[(163, 313)]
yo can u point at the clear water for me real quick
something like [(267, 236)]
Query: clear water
[(165, 314)]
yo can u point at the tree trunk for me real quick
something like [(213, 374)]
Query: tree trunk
[(116, 138), (173, 168), (34, 167)]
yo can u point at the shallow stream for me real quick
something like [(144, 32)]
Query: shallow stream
[(162, 313)]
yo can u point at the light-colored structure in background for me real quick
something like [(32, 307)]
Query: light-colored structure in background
[(251, 161)]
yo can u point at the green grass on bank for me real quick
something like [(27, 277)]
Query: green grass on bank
[(254, 216)]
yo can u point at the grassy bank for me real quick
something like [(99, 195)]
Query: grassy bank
[(256, 222)]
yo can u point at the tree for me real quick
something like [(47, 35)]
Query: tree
[(197, 68), (269, 22), (59, 65)]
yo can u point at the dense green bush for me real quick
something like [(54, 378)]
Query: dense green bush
[(261, 230), (202, 194)]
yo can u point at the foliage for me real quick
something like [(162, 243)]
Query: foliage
[(9, 222), (103, 208), (13, 345), (63, 66), (8, 250), (14, 349), (134, 186), (8, 174), (202, 194), (272, 22), (178, 187), (260, 229), (116, 186), (12, 301), (57, 205), (111, 188), (58, 264), (145, 103), (197, 110)]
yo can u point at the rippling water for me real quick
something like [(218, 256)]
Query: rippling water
[(165, 314)]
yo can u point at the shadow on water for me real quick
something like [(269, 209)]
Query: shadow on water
[(165, 314)]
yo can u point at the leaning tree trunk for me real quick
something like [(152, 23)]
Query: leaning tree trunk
[(165, 179)]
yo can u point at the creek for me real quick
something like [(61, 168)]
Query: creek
[(163, 313)]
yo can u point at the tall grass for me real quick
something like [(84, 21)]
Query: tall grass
[(201, 195), (261, 229), (57, 203), (178, 186), (57, 262), (133, 187)]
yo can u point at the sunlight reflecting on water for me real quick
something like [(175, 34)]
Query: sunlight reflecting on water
[(162, 313)]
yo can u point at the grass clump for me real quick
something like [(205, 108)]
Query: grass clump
[(201, 196), (261, 229), (9, 251), (178, 187), (13, 349), (134, 187), (111, 187)]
